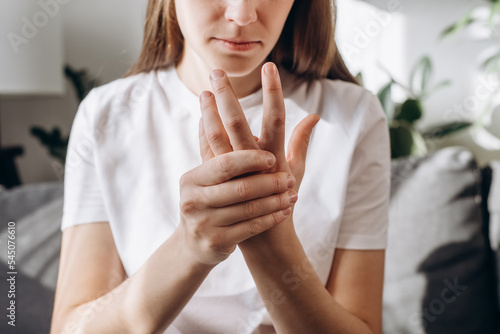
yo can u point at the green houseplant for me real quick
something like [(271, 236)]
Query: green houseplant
[(402, 118), (484, 18), (491, 21)]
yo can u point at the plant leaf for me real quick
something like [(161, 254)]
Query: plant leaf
[(438, 86), (495, 8), (440, 131), (359, 79), (411, 110), (419, 147), (420, 75), (385, 97), (401, 140), (492, 64), (405, 140), (461, 24)]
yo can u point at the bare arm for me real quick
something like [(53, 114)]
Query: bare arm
[(94, 296), (299, 303), (218, 211)]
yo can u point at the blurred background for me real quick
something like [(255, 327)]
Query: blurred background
[(435, 66), (102, 38), (75, 45)]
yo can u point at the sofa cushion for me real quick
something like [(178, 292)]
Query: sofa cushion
[(440, 275), (36, 211), (20, 201)]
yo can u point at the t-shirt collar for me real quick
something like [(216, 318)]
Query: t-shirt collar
[(174, 86)]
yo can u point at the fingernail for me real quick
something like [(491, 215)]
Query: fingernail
[(216, 74), (271, 159), (290, 181), (205, 95), (270, 69), (293, 196)]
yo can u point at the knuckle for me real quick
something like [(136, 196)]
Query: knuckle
[(250, 208), (224, 164), (188, 205), (236, 123), (198, 229), (274, 88), (279, 121), (222, 89), (215, 137), (281, 201), (243, 189), (278, 183), (206, 151), (276, 217), (192, 201), (205, 107), (216, 243), (255, 226)]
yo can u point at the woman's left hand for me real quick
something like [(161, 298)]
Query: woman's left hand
[(230, 131)]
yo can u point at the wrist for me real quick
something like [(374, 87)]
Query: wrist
[(187, 256), (278, 239)]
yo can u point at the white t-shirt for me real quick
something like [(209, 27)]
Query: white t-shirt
[(133, 138)]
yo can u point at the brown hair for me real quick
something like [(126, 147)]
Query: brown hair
[(306, 46)]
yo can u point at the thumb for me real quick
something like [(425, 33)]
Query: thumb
[(298, 144)]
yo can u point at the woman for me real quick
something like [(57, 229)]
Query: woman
[(196, 223)]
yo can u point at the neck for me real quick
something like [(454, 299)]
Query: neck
[(195, 75)]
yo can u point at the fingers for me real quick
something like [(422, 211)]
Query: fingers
[(227, 166), (298, 144), (248, 188), (232, 115), (272, 137), (243, 230), (215, 133), (205, 149), (255, 208)]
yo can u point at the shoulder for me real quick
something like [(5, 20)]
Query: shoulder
[(105, 100), (125, 89), (345, 96), (334, 100), (109, 103)]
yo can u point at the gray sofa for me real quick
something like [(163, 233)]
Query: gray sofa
[(442, 260), (441, 264)]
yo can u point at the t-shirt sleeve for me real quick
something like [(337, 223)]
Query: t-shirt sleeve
[(83, 198), (365, 219)]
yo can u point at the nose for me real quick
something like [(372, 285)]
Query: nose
[(241, 12)]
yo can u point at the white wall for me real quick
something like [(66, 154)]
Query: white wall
[(396, 33), (102, 36)]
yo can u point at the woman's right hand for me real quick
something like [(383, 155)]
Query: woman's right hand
[(221, 207)]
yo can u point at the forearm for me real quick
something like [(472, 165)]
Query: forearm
[(293, 294), (149, 300), (164, 285)]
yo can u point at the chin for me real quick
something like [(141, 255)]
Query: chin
[(239, 67)]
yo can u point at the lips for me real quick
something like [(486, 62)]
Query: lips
[(237, 41), (237, 44)]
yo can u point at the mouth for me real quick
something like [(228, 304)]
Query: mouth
[(237, 44)]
